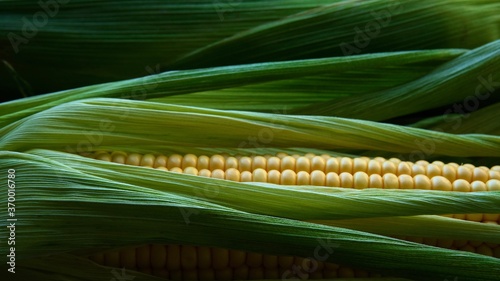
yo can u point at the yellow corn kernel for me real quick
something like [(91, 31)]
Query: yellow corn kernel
[(220, 258), (255, 273), (359, 165), (318, 178), (233, 174), (449, 172), (477, 186), (218, 174), (205, 173), (288, 163), (143, 256), (318, 163), (461, 185), (189, 160), (274, 176), (127, 257), (303, 164), (406, 182), (237, 258), (217, 162), (189, 274), (403, 169), (332, 166), (176, 170), (346, 165), (374, 167), (204, 257), (188, 257), (259, 175), (232, 162), (345, 272), (158, 256), (273, 163), (206, 274), (246, 176), (346, 180), (174, 257), (174, 160), (288, 177), (417, 170), (112, 259), (464, 173), (441, 183), (479, 174), (361, 180), (433, 170), (376, 181), (422, 182), (203, 162), (133, 159), (191, 171), (389, 167), (259, 162), (270, 261), (332, 179), (303, 178), (254, 260), (160, 161), (391, 181)]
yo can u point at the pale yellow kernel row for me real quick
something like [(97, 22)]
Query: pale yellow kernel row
[(186, 262), (307, 163), (358, 180), (479, 247)]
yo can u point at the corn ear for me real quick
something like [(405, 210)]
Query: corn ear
[(128, 214)]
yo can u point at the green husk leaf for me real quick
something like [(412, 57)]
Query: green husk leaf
[(85, 42), (116, 124), (190, 81), (423, 226), (473, 74), (355, 27), (483, 121), (284, 95)]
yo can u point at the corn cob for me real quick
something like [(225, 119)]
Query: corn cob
[(187, 262), (325, 170)]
